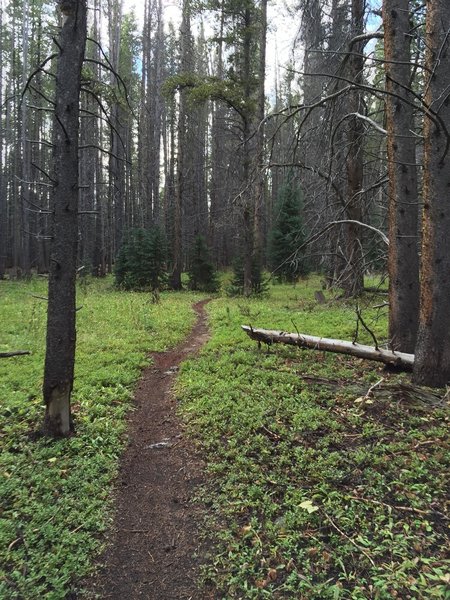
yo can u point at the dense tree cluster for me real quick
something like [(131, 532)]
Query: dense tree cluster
[(202, 273), (287, 235), (174, 130), (141, 261)]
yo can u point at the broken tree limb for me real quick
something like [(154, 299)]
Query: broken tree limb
[(14, 353), (269, 337)]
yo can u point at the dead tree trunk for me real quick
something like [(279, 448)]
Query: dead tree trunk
[(61, 333), (269, 337), (403, 201), (353, 275), (3, 201), (177, 256), (433, 340)]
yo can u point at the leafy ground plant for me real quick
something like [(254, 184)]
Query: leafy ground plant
[(55, 496), (317, 489)]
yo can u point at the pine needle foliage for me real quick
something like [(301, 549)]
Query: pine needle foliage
[(287, 234), (260, 286), (141, 262), (202, 274)]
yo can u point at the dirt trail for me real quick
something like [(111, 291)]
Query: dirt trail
[(154, 542)]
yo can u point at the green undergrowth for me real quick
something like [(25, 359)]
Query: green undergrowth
[(315, 490), (55, 495)]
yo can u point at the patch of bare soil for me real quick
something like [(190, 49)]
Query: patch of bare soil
[(154, 550)]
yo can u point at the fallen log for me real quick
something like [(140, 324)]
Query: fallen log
[(14, 353), (269, 337)]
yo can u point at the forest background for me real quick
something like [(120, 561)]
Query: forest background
[(343, 170)]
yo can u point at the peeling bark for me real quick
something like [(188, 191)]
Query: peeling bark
[(269, 337), (432, 365)]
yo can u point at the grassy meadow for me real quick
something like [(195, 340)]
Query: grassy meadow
[(315, 490), (55, 496)]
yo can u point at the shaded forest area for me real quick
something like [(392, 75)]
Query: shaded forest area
[(343, 171)]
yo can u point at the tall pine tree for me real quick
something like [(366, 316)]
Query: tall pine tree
[(287, 233)]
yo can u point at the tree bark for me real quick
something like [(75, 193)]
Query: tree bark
[(61, 331), (25, 150), (403, 261), (353, 275), (258, 250), (185, 34), (249, 154), (269, 337), (3, 201), (432, 366)]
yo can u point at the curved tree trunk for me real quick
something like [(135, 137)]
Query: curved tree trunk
[(61, 333)]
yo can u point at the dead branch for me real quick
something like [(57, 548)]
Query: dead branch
[(269, 337), (35, 72), (87, 146), (401, 508), (14, 353), (371, 333), (351, 540)]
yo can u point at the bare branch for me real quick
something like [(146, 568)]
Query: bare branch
[(41, 170), (86, 146), (380, 233), (368, 120), (42, 183), (104, 111), (42, 142), (35, 72)]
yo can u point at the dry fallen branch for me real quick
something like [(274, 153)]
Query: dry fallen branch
[(351, 540), (269, 337), (401, 508), (14, 353)]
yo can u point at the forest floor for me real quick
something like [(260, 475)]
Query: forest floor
[(311, 475), (154, 550)]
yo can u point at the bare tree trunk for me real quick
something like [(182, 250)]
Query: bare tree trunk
[(247, 195), (402, 171), (432, 366), (218, 162), (61, 332), (185, 34), (25, 148), (14, 162), (3, 202), (258, 250), (117, 158), (157, 113), (353, 276)]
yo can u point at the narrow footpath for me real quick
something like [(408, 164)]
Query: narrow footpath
[(154, 544)]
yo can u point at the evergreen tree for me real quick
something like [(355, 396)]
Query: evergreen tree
[(287, 233), (141, 262), (259, 284), (202, 274)]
